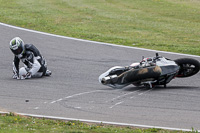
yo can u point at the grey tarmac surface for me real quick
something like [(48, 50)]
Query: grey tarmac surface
[(73, 90)]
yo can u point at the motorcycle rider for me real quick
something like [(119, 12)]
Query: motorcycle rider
[(34, 63)]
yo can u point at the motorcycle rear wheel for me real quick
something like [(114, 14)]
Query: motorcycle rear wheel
[(188, 67)]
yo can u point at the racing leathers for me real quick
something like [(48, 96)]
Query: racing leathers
[(34, 63)]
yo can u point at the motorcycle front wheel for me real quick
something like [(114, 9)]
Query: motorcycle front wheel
[(188, 67)]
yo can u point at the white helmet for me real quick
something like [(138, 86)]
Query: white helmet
[(17, 46)]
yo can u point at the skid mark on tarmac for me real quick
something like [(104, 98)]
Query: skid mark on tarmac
[(71, 96), (116, 104), (142, 93), (120, 96), (111, 103), (119, 103), (75, 95)]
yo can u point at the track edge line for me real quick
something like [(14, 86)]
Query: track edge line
[(102, 43), (96, 121)]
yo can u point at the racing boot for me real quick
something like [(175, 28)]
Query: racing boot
[(48, 73)]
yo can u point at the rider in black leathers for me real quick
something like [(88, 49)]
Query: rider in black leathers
[(34, 63)]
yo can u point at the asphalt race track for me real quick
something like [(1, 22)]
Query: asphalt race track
[(73, 90)]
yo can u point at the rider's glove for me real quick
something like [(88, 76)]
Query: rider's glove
[(27, 76), (16, 75)]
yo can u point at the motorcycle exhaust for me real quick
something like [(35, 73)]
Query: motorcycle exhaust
[(105, 80), (108, 80)]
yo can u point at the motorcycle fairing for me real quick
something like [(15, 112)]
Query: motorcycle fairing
[(167, 66), (107, 73)]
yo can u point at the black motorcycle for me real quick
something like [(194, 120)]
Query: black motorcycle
[(150, 72)]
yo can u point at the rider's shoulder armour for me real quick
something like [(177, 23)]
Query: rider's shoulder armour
[(32, 48)]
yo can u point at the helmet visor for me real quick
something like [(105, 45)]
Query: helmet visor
[(17, 51)]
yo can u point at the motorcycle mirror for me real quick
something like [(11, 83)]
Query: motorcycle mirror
[(157, 55)]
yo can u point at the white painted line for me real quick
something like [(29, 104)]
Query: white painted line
[(122, 96), (79, 94), (1, 112), (141, 93), (104, 122), (145, 92), (59, 100), (95, 42), (77, 107), (116, 104), (36, 108), (53, 102)]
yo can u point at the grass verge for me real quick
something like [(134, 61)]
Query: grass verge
[(11, 123), (168, 25)]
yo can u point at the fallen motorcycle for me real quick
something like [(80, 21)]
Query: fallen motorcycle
[(150, 72)]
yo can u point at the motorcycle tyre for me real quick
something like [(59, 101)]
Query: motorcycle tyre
[(189, 61)]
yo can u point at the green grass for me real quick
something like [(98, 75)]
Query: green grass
[(17, 124), (168, 25)]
